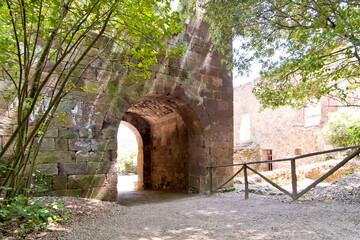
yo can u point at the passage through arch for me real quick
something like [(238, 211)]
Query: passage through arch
[(172, 143)]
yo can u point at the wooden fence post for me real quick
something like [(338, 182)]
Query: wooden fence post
[(246, 183), (211, 179), (294, 180)]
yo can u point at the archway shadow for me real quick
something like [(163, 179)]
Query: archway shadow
[(141, 197)]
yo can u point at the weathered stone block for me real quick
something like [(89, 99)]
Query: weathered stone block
[(72, 168), (103, 145), (85, 181), (99, 167), (223, 106), (48, 144), (90, 73), (72, 154), (53, 157), (213, 83), (61, 144), (207, 94), (112, 145), (95, 129), (60, 182), (84, 132), (52, 132), (98, 145), (112, 176), (68, 133), (80, 144), (109, 133), (159, 68), (217, 95), (99, 156), (104, 193), (48, 169), (82, 96)]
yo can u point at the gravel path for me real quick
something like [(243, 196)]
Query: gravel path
[(220, 216), (331, 212)]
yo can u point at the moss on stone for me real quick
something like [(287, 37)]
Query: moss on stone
[(111, 89), (69, 135), (85, 181)]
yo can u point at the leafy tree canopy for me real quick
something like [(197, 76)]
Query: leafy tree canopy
[(319, 42)]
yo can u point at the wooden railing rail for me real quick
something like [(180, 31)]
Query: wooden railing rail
[(294, 194)]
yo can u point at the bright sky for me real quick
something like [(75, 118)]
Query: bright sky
[(254, 73), (174, 4), (126, 138), (254, 70)]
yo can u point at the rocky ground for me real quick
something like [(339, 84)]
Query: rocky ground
[(327, 212), (345, 190)]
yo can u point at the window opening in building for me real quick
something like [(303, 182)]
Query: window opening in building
[(245, 128), (127, 154), (298, 151), (312, 115), (268, 157)]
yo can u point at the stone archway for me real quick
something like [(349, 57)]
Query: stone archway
[(172, 142), (184, 114)]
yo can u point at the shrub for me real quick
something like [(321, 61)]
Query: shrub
[(343, 128), (126, 159), (21, 215), (40, 182)]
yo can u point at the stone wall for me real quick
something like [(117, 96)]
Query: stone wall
[(183, 115), (170, 155), (250, 153), (285, 131)]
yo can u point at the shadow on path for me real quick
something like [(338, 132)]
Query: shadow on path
[(132, 198), (128, 195)]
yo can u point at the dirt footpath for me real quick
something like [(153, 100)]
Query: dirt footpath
[(330, 211), (220, 216)]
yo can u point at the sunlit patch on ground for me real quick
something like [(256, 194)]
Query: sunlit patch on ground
[(127, 183)]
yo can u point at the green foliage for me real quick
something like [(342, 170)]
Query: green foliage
[(126, 159), (39, 181), (307, 49), (20, 215), (354, 135), (8, 96), (4, 169), (343, 128)]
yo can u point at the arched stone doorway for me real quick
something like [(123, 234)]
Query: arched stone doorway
[(183, 112), (172, 139)]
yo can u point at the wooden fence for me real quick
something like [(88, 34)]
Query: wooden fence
[(294, 194)]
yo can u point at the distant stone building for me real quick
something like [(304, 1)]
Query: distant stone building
[(276, 134)]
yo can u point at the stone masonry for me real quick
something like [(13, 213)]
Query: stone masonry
[(183, 114)]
